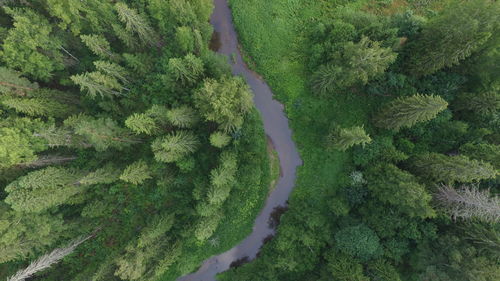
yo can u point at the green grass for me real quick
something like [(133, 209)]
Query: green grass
[(273, 35)]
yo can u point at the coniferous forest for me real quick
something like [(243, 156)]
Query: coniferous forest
[(129, 150)]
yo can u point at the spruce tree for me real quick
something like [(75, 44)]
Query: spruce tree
[(450, 169), (112, 69), (134, 22), (96, 83), (136, 173), (104, 175), (43, 189), (487, 102), (219, 139), (344, 138), (37, 106), (174, 146), (187, 70), (453, 35), (407, 111), (15, 148)]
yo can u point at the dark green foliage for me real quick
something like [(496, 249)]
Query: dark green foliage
[(453, 36), (359, 242)]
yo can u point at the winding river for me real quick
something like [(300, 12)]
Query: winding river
[(277, 129)]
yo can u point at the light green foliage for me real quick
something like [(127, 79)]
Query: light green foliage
[(187, 70), (105, 175), (11, 82), (30, 46), (219, 139), (141, 123), (344, 268), (37, 106), (112, 69), (359, 242), (43, 189), (69, 12), (225, 101), (407, 111), (344, 138), (15, 148), (125, 36), (185, 39), (136, 173), (98, 45), (182, 117), (401, 189), (134, 22), (382, 270), (454, 35), (24, 234), (97, 83), (450, 169), (366, 59), (222, 179), (174, 146), (207, 226), (101, 133)]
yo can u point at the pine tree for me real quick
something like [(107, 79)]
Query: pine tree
[(453, 36), (407, 111), (47, 260), (219, 139), (450, 169), (401, 189), (98, 45), (182, 117), (344, 138), (468, 202), (134, 22), (225, 101), (11, 82), (141, 123), (43, 189), (187, 70), (174, 146), (30, 45), (136, 173)]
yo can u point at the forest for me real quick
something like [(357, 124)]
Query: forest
[(394, 106), (129, 150)]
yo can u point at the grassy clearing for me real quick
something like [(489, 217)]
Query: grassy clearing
[(273, 35)]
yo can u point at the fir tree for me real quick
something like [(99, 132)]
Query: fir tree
[(11, 82), (98, 45), (450, 169), (407, 111), (182, 117), (141, 123), (30, 46), (134, 22), (219, 139), (225, 102), (174, 146), (344, 138), (136, 173), (43, 189), (453, 36)]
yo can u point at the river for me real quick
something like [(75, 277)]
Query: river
[(276, 127)]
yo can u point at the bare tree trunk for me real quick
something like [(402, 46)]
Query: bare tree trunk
[(47, 260), (469, 202)]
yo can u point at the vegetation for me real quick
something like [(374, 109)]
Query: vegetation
[(418, 201), (118, 124)]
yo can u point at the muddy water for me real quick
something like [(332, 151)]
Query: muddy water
[(275, 126)]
